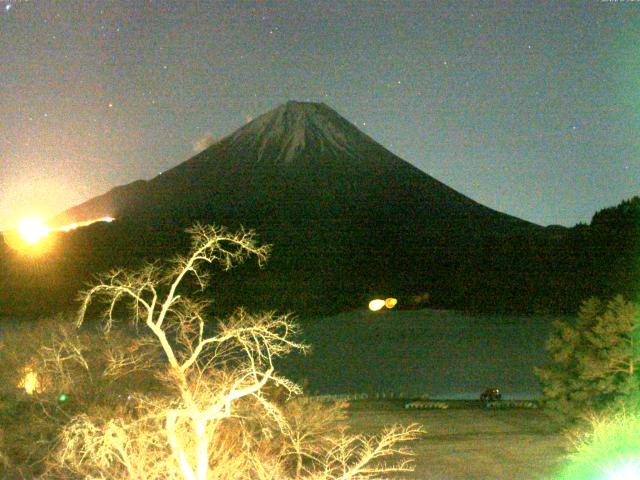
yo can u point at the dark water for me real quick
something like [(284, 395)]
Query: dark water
[(441, 354)]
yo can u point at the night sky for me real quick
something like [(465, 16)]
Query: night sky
[(531, 108)]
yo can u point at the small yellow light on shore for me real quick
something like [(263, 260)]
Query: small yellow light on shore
[(32, 230), (375, 305), (30, 382), (390, 302)]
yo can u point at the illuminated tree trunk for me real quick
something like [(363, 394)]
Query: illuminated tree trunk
[(202, 455), (176, 448), (192, 417)]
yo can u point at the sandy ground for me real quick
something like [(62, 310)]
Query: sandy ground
[(471, 443)]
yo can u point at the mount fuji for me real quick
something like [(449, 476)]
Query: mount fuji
[(347, 219), (302, 154)]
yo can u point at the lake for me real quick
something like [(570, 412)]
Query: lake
[(435, 353)]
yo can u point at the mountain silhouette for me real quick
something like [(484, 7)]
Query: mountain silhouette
[(299, 155), (347, 218)]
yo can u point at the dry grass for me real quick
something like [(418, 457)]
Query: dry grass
[(471, 443)]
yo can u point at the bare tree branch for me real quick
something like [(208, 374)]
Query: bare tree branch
[(221, 384)]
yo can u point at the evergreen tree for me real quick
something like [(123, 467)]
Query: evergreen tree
[(594, 361)]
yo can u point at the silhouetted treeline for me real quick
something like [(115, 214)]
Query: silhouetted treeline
[(557, 270), (525, 270)]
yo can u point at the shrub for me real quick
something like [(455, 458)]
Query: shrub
[(594, 362), (609, 449), (52, 372)]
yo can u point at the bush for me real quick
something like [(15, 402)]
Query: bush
[(609, 449), (594, 362), (52, 372)]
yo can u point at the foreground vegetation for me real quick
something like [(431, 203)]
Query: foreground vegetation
[(177, 399), (593, 363), (592, 387), (168, 394)]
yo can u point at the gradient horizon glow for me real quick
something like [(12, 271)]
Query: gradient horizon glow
[(530, 108)]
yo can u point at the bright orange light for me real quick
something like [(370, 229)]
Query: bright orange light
[(375, 305), (32, 236), (32, 230), (390, 302)]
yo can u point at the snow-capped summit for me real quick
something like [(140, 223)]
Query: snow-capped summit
[(290, 128)]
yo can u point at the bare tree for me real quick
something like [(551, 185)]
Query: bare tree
[(219, 388)]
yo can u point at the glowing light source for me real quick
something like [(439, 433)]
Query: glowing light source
[(62, 397), (30, 234), (30, 382), (378, 304), (32, 230), (627, 470), (375, 305), (75, 225)]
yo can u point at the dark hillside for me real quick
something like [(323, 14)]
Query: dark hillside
[(347, 218)]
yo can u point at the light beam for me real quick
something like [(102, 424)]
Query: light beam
[(32, 230)]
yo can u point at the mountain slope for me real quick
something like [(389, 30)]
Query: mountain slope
[(347, 219), (297, 150)]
